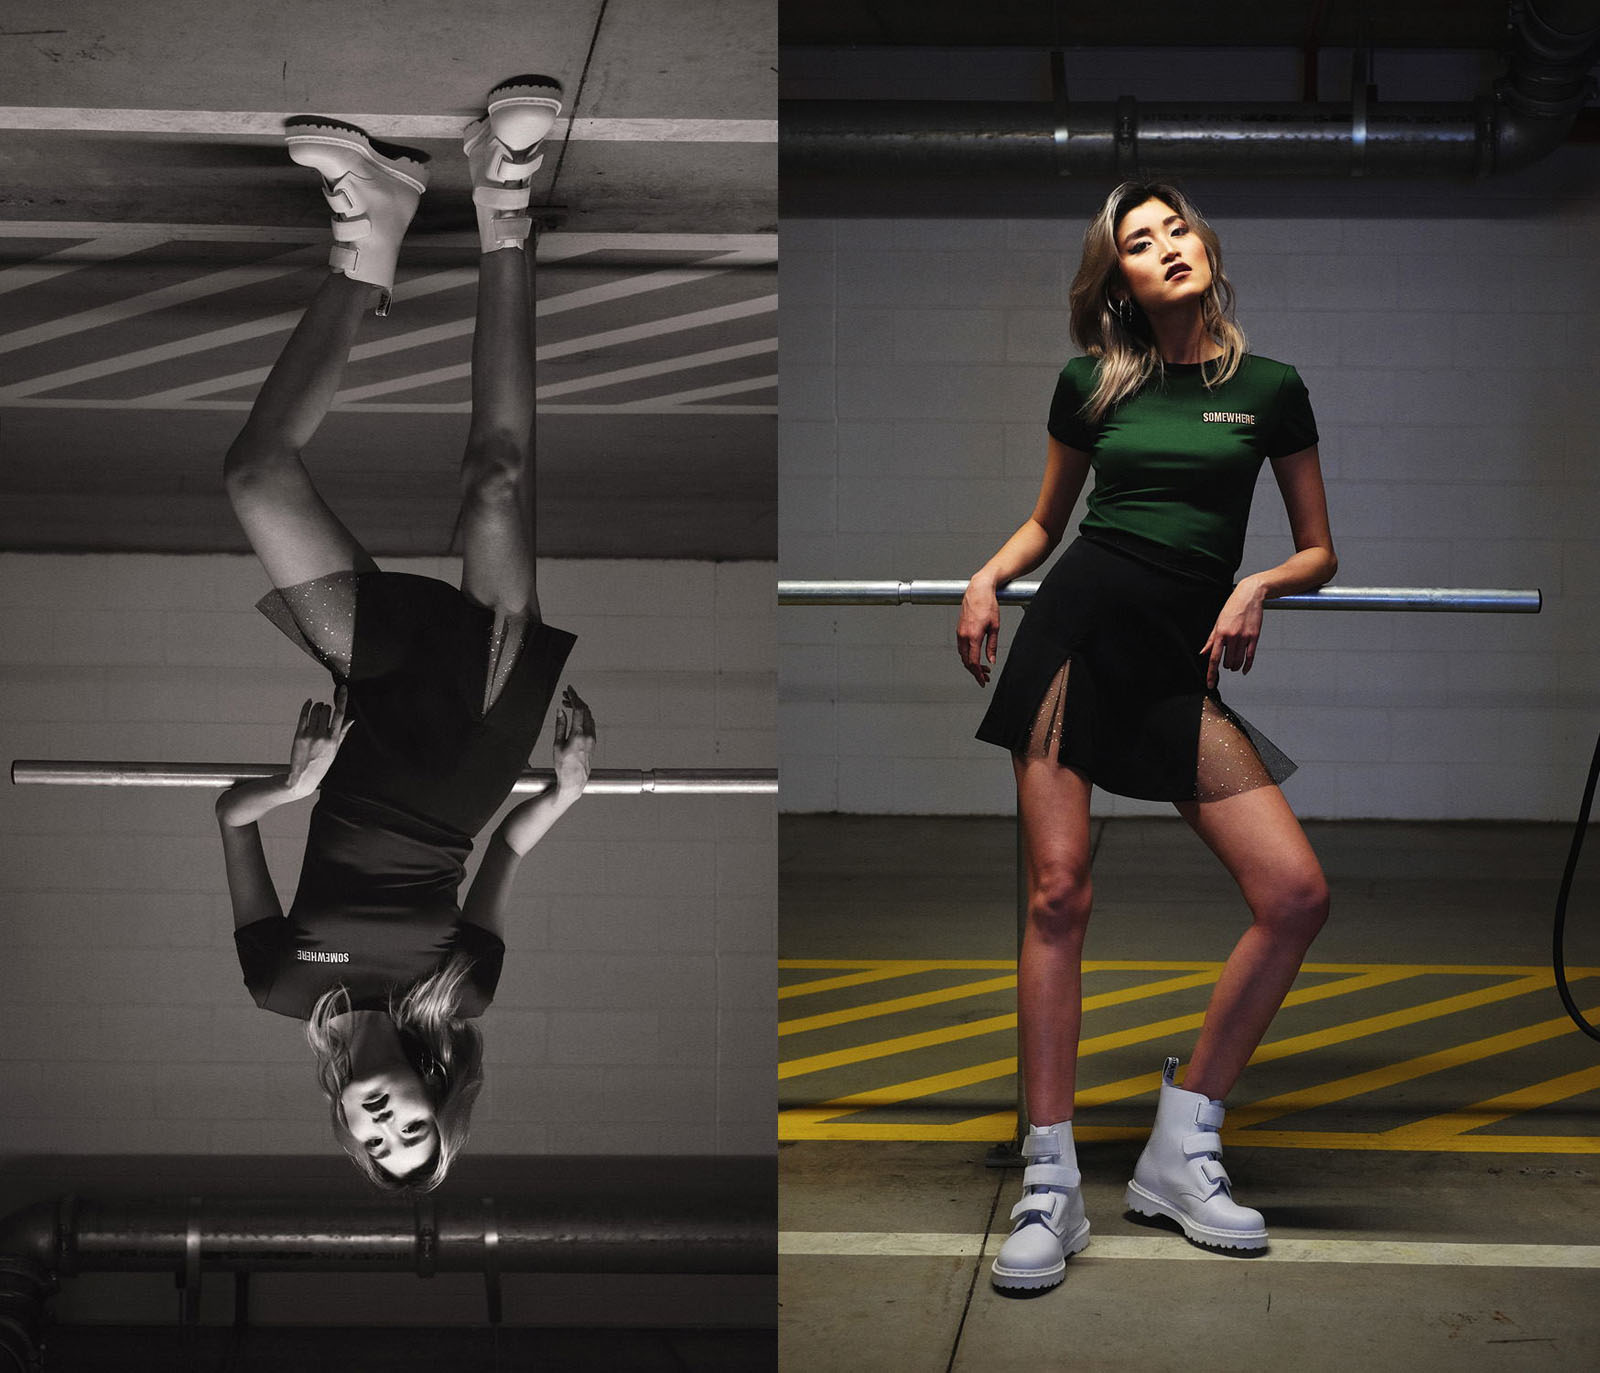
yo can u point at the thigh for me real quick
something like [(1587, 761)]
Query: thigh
[(290, 527), (496, 527), (1053, 810), (1259, 840)]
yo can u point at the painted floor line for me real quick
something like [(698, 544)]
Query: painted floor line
[(269, 123), (892, 1244)]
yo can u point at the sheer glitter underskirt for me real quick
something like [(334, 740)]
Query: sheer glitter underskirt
[(1104, 675), (320, 616)]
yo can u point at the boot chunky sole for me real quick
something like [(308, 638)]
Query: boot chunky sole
[(371, 187), (1027, 1279), (503, 153), (1147, 1203)]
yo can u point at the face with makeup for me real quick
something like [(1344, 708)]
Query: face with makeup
[(1161, 258), (392, 1120)]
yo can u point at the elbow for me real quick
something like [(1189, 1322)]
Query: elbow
[(1332, 569)]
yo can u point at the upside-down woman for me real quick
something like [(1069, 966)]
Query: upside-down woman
[(442, 691)]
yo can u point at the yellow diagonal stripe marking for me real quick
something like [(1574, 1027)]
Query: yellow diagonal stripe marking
[(1411, 1015), (1427, 1132), (898, 1004), (807, 1124), (883, 1048), (860, 979), (1359, 1084), (1002, 1067), (950, 1034)]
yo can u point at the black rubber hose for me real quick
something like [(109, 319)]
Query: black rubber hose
[(1560, 962)]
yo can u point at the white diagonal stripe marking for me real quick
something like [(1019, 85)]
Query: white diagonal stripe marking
[(708, 358), (608, 338)]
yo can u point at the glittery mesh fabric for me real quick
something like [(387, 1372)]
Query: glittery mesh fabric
[(1044, 739), (318, 615), (1228, 763), (505, 644)]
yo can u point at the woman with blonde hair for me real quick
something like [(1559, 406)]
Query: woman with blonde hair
[(1112, 681), (441, 690)]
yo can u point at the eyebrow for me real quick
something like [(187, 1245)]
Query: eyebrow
[(1142, 233)]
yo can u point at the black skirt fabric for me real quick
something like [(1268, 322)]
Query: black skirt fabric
[(1136, 685), (447, 700)]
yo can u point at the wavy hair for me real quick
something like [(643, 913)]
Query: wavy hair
[(444, 1048), (1123, 341)]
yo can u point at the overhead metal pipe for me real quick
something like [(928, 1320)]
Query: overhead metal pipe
[(576, 1215), (602, 781), (1526, 115), (934, 592)]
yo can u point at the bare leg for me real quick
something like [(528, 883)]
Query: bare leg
[(1053, 808), (294, 533), (1260, 842), (497, 472)]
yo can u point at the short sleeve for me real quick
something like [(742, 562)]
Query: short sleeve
[(1066, 424), (260, 948), (1294, 427), (487, 952)]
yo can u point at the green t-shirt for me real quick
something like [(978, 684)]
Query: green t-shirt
[(1175, 465)]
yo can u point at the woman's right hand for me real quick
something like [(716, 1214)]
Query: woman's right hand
[(978, 632), (316, 742)]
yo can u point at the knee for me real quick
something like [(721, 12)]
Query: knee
[(1059, 902), (491, 471), (1299, 907), (253, 466)]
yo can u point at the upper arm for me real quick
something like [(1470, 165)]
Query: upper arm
[(1065, 471), (491, 887), (1299, 477), (249, 881)]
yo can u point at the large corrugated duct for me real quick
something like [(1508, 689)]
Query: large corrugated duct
[(1529, 112)]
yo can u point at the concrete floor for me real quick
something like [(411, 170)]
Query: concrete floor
[(1377, 1255)]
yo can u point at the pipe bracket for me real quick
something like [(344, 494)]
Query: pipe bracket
[(427, 1235)]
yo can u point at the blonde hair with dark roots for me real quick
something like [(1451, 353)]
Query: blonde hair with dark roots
[(1124, 343), (445, 1048)]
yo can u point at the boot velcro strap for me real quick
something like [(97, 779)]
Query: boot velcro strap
[(500, 197), (1214, 1172), (1035, 1146), (1206, 1142), (1210, 1115), (1048, 1205), (512, 228), (1050, 1175), (339, 199), (342, 257), (348, 230), (504, 167)]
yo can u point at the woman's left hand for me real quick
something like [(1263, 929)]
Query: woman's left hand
[(574, 746), (1233, 638)]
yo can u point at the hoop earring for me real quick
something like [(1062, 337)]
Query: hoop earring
[(1122, 308)]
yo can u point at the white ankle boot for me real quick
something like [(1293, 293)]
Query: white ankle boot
[(1180, 1173), (502, 150), (372, 189), (1050, 1225)]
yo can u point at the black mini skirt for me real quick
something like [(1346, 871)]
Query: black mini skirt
[(1129, 633), (448, 700)]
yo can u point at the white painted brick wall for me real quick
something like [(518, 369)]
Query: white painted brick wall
[(1450, 346), (636, 1011)]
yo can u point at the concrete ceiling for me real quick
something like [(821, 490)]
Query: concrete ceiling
[(156, 245)]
